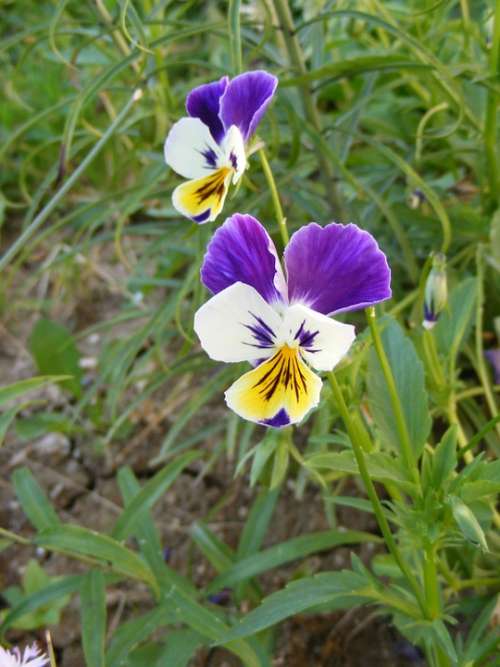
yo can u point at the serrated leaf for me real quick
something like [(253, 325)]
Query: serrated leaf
[(445, 458), (468, 524), (55, 353), (408, 372)]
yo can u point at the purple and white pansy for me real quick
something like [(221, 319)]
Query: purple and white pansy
[(282, 325), (208, 146)]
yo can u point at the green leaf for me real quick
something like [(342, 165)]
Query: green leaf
[(93, 618), (468, 524), (255, 527), (79, 541), (33, 500), (445, 458), (13, 391), (55, 353), (456, 320), (7, 418), (408, 372), (353, 66), (52, 595), (299, 596), (214, 549), (150, 493), (131, 633), (181, 647), (298, 547)]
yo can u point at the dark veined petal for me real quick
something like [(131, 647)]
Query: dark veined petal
[(202, 199), (246, 99), (336, 268), (203, 102), (242, 251), (281, 391), (237, 325)]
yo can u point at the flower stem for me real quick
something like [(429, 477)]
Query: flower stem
[(490, 124), (280, 218), (233, 15), (372, 493), (12, 537), (404, 436), (296, 58)]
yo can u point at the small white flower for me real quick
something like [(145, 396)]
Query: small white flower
[(32, 657)]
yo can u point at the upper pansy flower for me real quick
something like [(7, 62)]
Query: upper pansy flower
[(283, 325), (208, 147)]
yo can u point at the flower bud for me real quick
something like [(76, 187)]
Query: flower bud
[(436, 291)]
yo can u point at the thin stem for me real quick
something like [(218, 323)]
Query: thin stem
[(296, 58), (480, 363), (12, 537), (431, 583), (372, 493), (233, 16), (278, 210), (490, 124), (404, 436), (51, 205)]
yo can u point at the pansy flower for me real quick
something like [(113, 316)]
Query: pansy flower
[(32, 657), (208, 146), (282, 326)]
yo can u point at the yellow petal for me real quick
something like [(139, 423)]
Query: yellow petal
[(281, 390), (203, 199)]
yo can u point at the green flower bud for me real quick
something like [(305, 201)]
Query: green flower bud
[(436, 291)]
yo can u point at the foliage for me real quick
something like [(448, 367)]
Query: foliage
[(386, 116)]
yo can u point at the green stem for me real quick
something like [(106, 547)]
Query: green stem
[(233, 17), (280, 218), (432, 356), (490, 124), (51, 205), (372, 493), (431, 583), (296, 58), (480, 363), (12, 537), (404, 436)]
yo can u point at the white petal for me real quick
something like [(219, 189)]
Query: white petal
[(323, 341), (191, 150), (233, 148), (237, 325)]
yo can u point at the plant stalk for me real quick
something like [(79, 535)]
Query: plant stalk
[(372, 493), (296, 57), (490, 124), (404, 436), (278, 210)]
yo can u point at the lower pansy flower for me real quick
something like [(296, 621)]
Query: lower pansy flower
[(283, 325), (208, 146)]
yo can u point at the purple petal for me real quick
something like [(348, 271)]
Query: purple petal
[(246, 99), (279, 420), (336, 268), (493, 357), (242, 251), (203, 102)]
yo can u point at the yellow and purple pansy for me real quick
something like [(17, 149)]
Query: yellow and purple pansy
[(208, 146), (282, 325)]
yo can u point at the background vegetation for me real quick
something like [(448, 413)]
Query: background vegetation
[(129, 494)]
